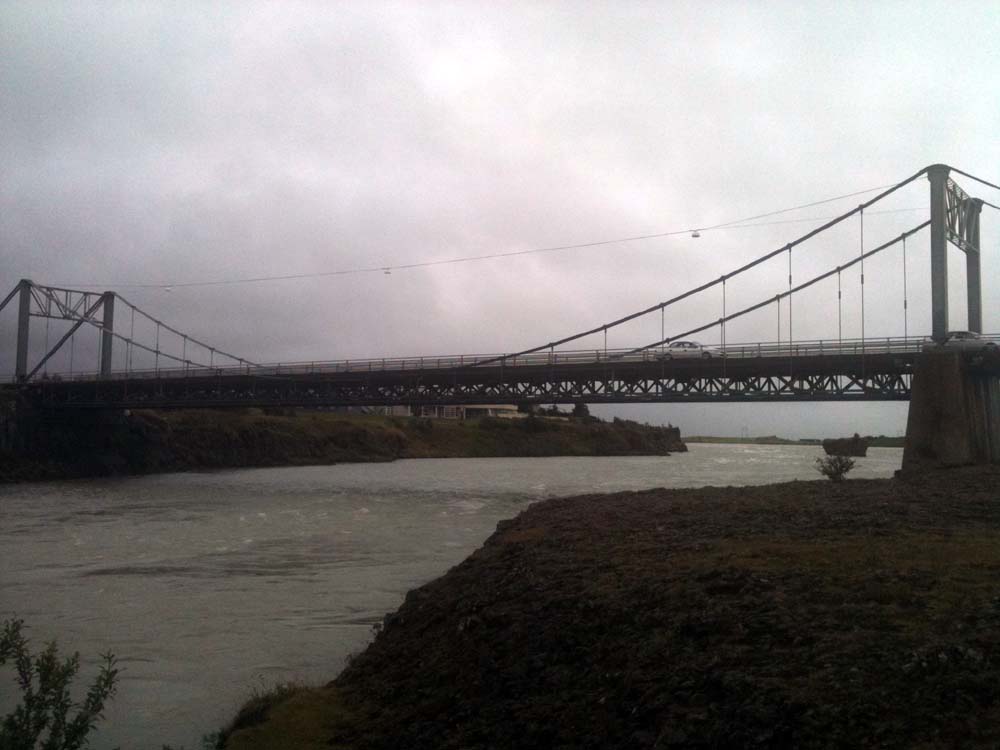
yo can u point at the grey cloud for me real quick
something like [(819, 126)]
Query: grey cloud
[(157, 143)]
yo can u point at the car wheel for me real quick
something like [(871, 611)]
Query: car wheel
[(706, 355)]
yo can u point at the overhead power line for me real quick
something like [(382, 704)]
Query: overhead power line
[(734, 224), (819, 218), (793, 208)]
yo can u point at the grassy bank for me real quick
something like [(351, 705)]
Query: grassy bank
[(805, 614), (147, 442)]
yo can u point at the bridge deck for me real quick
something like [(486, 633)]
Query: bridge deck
[(811, 371), (816, 377)]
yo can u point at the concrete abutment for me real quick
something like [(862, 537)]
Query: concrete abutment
[(954, 417)]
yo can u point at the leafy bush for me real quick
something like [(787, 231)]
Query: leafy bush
[(494, 423), (423, 425), (534, 424), (44, 682), (834, 467)]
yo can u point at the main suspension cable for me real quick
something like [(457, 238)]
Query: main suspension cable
[(779, 297), (977, 179), (161, 324), (708, 285)]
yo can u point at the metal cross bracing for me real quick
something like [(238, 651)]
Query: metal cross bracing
[(780, 370), (834, 374), (95, 310)]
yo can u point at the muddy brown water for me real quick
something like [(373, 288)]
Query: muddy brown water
[(207, 585)]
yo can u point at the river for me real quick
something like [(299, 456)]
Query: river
[(207, 585)]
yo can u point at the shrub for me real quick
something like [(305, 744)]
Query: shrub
[(44, 682), (423, 425), (494, 423), (254, 711), (534, 424), (834, 467)]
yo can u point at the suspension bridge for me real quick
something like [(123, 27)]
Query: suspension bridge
[(193, 374)]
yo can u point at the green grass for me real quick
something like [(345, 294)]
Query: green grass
[(302, 718)]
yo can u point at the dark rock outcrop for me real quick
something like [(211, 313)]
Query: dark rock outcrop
[(852, 446)]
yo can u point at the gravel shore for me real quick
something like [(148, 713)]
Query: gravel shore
[(804, 614)]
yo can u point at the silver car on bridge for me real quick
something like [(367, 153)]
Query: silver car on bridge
[(684, 349), (966, 341)]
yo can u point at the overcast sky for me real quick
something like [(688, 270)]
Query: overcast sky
[(149, 145)]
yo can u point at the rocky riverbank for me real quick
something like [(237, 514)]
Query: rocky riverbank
[(147, 442), (805, 614)]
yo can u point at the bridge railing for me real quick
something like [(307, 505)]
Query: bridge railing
[(806, 348)]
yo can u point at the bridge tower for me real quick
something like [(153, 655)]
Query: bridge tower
[(23, 320), (955, 219), (78, 307), (954, 415)]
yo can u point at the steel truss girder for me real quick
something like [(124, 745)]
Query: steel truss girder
[(890, 384)]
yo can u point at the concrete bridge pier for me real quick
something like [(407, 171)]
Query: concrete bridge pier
[(954, 417)]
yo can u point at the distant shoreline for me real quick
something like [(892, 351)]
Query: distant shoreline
[(151, 442), (880, 441)]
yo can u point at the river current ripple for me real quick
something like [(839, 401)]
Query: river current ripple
[(206, 585)]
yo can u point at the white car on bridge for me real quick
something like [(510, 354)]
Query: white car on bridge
[(684, 349), (966, 341)]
